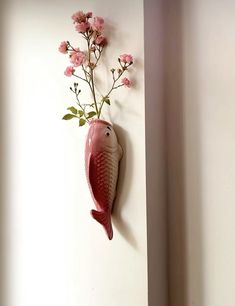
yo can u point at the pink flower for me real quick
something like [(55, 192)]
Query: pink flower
[(98, 24), (77, 58), (89, 14), (126, 82), (101, 40), (126, 58), (79, 17), (63, 48), (83, 27), (69, 71)]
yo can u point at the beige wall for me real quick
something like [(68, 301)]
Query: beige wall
[(155, 152), (200, 92)]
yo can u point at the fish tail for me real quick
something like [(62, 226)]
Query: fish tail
[(104, 218)]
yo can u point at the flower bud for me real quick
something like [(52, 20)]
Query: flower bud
[(89, 14)]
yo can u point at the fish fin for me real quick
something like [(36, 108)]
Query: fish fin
[(104, 219), (120, 151)]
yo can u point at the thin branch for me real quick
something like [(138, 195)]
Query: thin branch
[(80, 77), (82, 108)]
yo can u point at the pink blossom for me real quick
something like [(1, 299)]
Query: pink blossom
[(69, 71), (83, 27), (89, 14), (79, 17), (98, 24), (126, 58), (101, 40), (77, 58), (63, 48), (126, 82)]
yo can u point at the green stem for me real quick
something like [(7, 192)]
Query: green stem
[(93, 91), (111, 89), (82, 108), (92, 86)]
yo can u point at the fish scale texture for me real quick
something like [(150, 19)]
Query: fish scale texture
[(105, 175)]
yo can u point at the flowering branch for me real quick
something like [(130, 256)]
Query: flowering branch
[(91, 30)]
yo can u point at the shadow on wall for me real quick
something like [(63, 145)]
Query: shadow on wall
[(155, 153), (123, 187), (185, 257), (2, 161)]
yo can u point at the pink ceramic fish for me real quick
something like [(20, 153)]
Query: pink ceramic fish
[(102, 157)]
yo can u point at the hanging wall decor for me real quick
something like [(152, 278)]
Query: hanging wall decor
[(102, 150)]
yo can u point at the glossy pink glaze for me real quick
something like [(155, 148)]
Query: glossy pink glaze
[(102, 156)]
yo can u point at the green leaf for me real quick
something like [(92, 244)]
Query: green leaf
[(91, 114), (81, 113), (69, 116), (82, 122), (106, 100), (73, 110)]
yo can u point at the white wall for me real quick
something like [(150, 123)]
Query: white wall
[(58, 255), (201, 151)]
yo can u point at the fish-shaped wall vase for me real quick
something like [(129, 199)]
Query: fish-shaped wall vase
[(102, 156)]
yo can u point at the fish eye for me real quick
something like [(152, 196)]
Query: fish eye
[(107, 134)]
